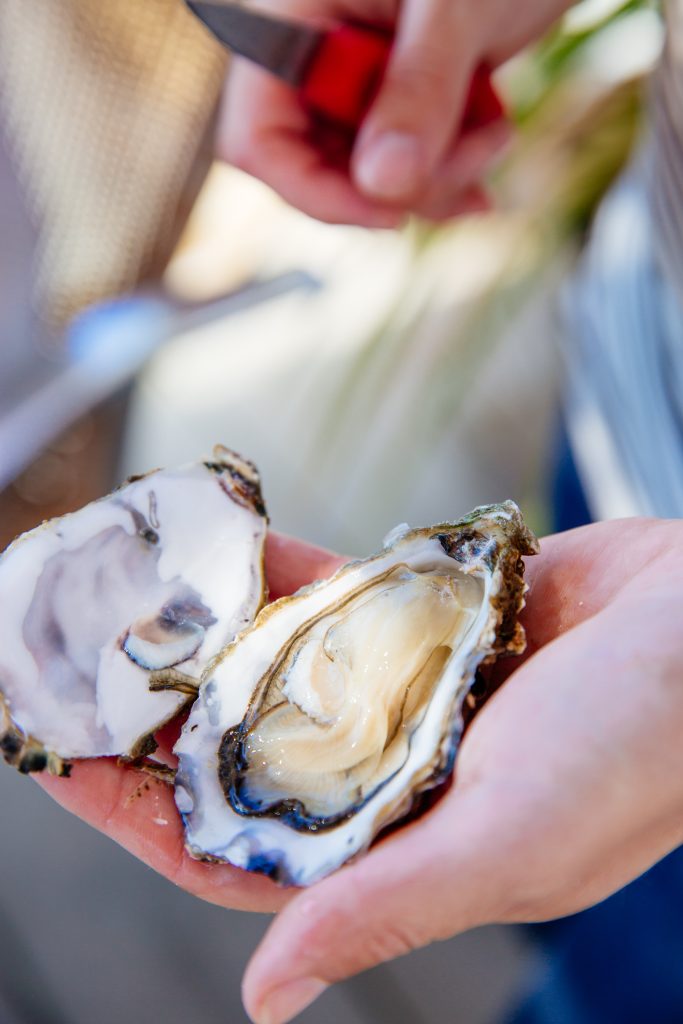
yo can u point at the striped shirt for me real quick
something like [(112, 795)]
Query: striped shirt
[(623, 344)]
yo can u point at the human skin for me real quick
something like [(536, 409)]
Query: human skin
[(569, 782), (410, 156), (128, 805)]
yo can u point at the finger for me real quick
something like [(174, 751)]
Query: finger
[(462, 173), (571, 580), (423, 883), (264, 131), (585, 708), (456, 188), (579, 572), (291, 564), (139, 813), (420, 105)]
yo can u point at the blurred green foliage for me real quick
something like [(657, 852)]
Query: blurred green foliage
[(577, 123), (559, 54)]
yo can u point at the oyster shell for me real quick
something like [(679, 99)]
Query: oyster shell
[(326, 719), (154, 578)]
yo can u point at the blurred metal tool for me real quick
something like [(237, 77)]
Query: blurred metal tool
[(337, 70), (108, 345)]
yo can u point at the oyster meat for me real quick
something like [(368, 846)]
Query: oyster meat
[(151, 580), (326, 719)]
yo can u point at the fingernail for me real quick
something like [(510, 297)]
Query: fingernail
[(389, 167), (288, 1002)]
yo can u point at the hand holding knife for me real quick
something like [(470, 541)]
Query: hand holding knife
[(297, 127), (336, 70)]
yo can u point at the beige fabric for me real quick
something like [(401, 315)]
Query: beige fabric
[(106, 104)]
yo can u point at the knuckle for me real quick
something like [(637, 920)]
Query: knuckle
[(456, 20), (364, 945), (538, 896), (317, 925), (393, 939)]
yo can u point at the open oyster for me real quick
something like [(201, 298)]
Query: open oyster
[(154, 578), (327, 718)]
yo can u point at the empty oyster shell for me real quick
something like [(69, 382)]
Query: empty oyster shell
[(326, 719), (156, 577)]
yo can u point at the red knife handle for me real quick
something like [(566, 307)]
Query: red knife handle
[(347, 70)]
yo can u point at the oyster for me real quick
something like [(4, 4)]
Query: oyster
[(151, 580), (326, 720)]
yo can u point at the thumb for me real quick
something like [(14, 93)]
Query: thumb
[(420, 105), (426, 882)]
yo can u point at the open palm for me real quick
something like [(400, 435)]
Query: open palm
[(569, 783)]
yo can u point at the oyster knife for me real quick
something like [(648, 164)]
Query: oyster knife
[(337, 70)]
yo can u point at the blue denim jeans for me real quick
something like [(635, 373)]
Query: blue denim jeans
[(619, 963)]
